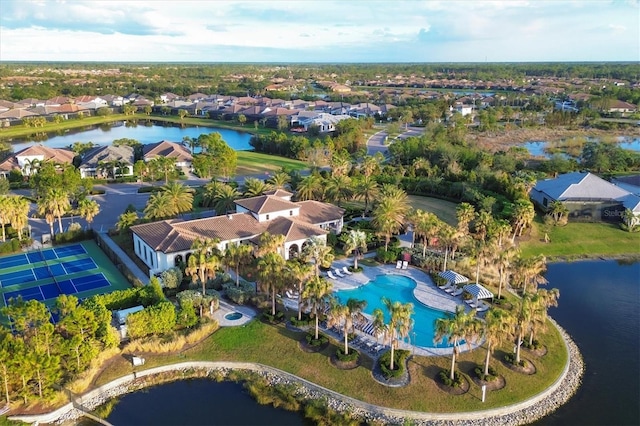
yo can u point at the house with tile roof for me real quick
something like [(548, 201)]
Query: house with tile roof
[(107, 161), (168, 149), (25, 160), (587, 196), (163, 244)]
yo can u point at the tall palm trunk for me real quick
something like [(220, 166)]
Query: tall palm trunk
[(60, 223), (273, 300), (486, 359), (446, 255), (453, 361), (518, 344), (346, 339)]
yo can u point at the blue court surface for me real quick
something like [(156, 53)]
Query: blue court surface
[(41, 255), (43, 272), (53, 290)]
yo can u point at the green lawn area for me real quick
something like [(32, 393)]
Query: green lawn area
[(445, 210), (277, 346), (577, 240), (250, 163)]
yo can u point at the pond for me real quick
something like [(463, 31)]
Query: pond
[(537, 148), (599, 307), (106, 134)]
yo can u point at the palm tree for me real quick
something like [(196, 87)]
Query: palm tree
[(5, 213), (483, 225), (389, 214), (126, 220), (541, 301), (309, 188), (88, 209), (279, 180), (165, 165), (315, 250), (366, 189), (524, 311), (465, 213), (270, 273), (19, 216), (457, 328), (203, 262), (447, 235), (339, 189), (523, 214), (370, 165), (399, 325), (299, 272), (344, 315), (499, 324), (253, 187), (159, 206), (180, 197), (314, 297), (504, 261), (356, 242), (270, 243), (425, 225), (557, 211), (225, 199), (236, 255), (56, 202), (528, 271)]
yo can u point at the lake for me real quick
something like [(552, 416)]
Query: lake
[(537, 148), (105, 135), (599, 307)]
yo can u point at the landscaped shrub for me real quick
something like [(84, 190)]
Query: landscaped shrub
[(156, 319), (351, 357), (268, 316), (73, 236), (400, 356), (387, 256), (437, 279), (305, 321), (312, 341), (511, 359), (120, 299), (488, 377), (445, 378), (241, 294), (535, 344), (11, 246)]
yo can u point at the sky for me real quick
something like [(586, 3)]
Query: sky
[(320, 31)]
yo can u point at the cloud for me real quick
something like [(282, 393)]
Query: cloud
[(332, 31)]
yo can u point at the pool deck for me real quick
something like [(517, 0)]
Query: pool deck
[(426, 292)]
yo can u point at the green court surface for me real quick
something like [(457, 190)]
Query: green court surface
[(78, 269)]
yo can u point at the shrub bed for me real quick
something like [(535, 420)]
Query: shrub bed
[(306, 320), (312, 341), (351, 357), (273, 319), (479, 371), (511, 359), (445, 378), (400, 356)]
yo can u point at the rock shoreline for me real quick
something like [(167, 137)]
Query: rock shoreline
[(510, 415)]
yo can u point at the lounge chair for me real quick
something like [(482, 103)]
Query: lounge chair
[(338, 273), (346, 271), (451, 288), (399, 264), (445, 287), (458, 292), (471, 303), (482, 306), (330, 275), (405, 264)]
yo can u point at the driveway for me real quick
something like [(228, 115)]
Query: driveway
[(376, 143)]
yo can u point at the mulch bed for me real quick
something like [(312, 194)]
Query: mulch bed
[(394, 382), (542, 351), (498, 383), (454, 390), (344, 365), (529, 368)]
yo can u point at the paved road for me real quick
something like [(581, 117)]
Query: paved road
[(376, 143)]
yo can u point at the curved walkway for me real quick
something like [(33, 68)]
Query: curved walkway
[(524, 412)]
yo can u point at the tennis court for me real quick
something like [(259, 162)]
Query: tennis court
[(47, 271), (53, 290), (80, 269)]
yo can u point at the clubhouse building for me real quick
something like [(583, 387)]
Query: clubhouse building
[(164, 244)]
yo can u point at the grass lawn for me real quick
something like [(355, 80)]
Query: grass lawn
[(577, 240), (278, 347), (445, 210), (251, 163)]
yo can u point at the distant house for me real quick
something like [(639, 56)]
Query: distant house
[(587, 196), (162, 245), (621, 107), (168, 149), (323, 121), (27, 160), (107, 162)]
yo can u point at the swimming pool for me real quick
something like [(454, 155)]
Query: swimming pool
[(398, 288)]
